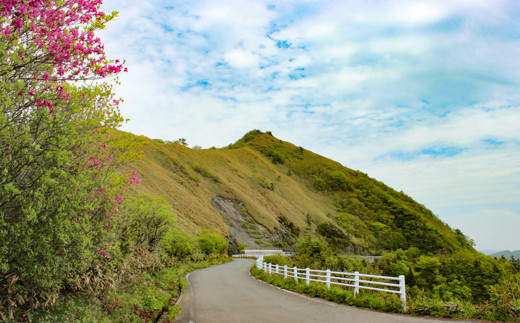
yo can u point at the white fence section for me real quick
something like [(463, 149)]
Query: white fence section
[(328, 277)]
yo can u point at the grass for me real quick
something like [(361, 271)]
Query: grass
[(190, 178), (142, 299), (170, 171)]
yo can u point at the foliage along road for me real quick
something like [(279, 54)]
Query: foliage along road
[(226, 293)]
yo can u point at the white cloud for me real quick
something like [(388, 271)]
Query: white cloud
[(501, 213), (241, 58), (374, 85), (409, 45), (415, 13)]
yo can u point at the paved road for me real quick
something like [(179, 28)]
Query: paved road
[(226, 293)]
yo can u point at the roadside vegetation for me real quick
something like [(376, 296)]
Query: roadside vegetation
[(445, 275), (78, 242), (461, 285), (367, 299)]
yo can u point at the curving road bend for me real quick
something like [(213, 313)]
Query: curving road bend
[(226, 293)]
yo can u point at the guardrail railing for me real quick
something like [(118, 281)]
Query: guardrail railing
[(355, 280)]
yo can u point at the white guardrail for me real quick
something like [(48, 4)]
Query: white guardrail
[(328, 277)]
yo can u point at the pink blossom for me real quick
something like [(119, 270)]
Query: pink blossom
[(17, 23), (7, 31)]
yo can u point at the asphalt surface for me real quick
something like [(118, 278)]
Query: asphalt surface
[(226, 293)]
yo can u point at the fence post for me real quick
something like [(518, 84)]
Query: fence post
[(327, 280), (356, 283), (285, 271), (402, 291), (295, 273), (276, 269), (270, 266), (307, 275)]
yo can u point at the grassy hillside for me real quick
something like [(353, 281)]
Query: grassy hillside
[(264, 191)]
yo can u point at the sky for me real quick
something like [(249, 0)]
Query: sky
[(421, 95)]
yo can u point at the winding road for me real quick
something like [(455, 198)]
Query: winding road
[(226, 293)]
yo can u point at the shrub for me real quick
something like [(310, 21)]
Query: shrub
[(329, 230), (280, 260), (57, 155), (210, 242), (277, 157), (178, 244), (319, 183), (337, 180), (145, 222), (312, 250)]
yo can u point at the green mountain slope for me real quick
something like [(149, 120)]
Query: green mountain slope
[(262, 191)]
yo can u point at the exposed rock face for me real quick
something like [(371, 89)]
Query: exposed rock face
[(243, 229)]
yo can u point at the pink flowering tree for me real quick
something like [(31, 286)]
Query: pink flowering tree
[(59, 152)]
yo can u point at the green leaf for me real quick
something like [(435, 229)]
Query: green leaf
[(11, 188)]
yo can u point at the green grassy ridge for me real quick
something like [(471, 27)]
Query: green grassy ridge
[(365, 198), (274, 179)]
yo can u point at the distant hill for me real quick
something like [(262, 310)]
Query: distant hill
[(262, 191), (488, 251), (507, 254)]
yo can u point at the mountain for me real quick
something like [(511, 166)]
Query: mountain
[(488, 252), (506, 254), (262, 191)]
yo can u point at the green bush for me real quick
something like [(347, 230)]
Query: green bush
[(177, 243), (329, 230), (277, 157), (145, 222), (319, 183), (337, 180), (311, 250), (210, 243), (280, 260)]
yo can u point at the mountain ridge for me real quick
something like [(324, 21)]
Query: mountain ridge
[(285, 192), (506, 254)]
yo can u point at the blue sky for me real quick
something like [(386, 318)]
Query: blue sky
[(422, 95)]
